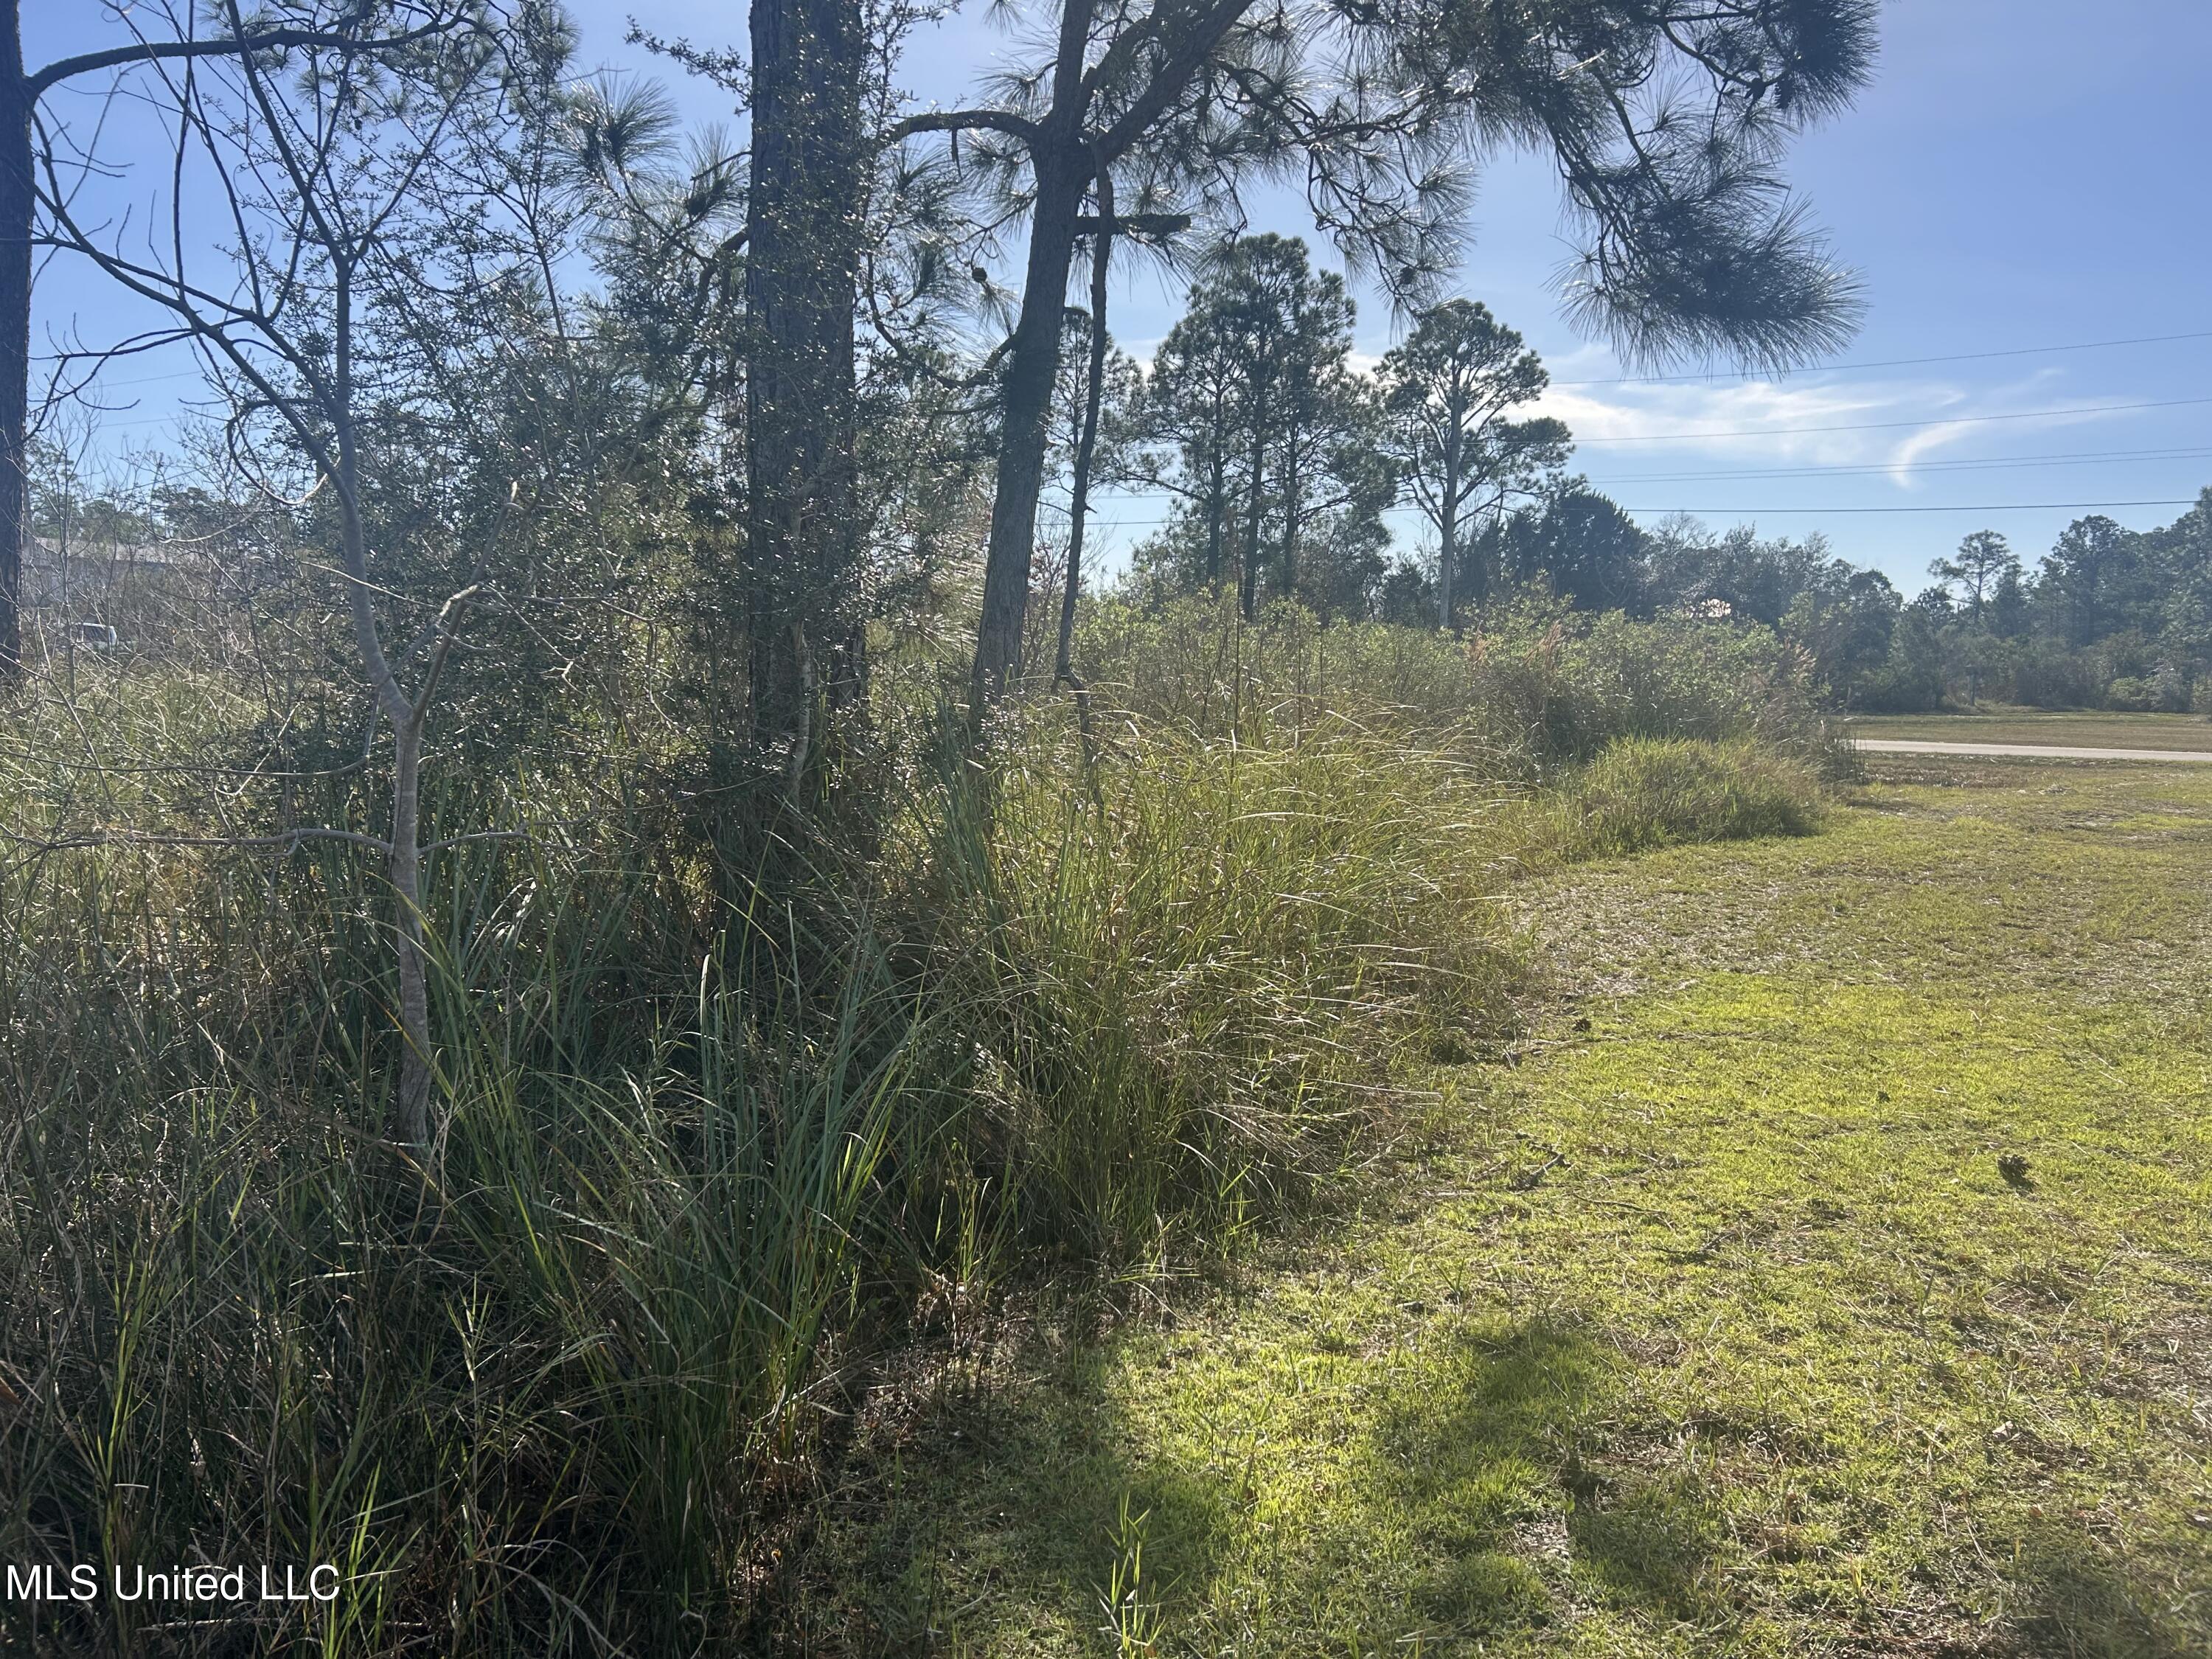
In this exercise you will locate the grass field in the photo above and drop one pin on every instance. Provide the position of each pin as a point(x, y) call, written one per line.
point(2005, 724)
point(1828, 1276)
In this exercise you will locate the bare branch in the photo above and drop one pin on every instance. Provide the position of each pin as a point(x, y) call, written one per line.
point(239, 45)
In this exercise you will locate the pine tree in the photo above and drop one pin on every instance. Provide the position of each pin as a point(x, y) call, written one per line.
point(2087, 575)
point(1451, 390)
point(1983, 560)
point(1267, 435)
point(1666, 120)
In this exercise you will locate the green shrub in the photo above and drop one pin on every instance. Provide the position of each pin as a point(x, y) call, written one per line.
point(1568, 693)
point(2170, 689)
point(2049, 676)
point(2131, 696)
point(1647, 793)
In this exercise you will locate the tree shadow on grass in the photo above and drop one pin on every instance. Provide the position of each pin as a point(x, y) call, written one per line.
point(2084, 1600)
point(1488, 1459)
point(1481, 1487)
point(986, 1521)
point(1432, 1499)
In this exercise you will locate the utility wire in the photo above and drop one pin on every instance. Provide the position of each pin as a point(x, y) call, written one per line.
point(1756, 511)
point(1661, 380)
point(2007, 506)
point(1887, 426)
point(1904, 362)
point(2087, 458)
point(1715, 375)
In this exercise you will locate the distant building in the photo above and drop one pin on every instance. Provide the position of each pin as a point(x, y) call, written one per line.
point(77, 576)
point(101, 594)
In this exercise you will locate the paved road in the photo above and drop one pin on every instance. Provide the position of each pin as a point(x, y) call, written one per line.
point(2032, 751)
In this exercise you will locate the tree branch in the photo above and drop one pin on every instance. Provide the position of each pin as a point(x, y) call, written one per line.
point(1135, 224)
point(963, 120)
point(146, 52)
point(1200, 35)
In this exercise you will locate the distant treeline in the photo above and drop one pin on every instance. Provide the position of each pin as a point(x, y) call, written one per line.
point(2107, 618)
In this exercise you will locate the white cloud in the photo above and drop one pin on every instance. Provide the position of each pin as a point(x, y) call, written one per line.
point(1898, 424)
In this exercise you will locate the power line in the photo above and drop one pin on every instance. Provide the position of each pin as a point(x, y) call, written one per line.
point(1888, 426)
point(2008, 506)
point(1756, 511)
point(2064, 457)
point(178, 414)
point(105, 383)
point(1908, 362)
point(1673, 379)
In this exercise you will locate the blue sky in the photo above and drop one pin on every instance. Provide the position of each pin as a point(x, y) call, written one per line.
point(2021, 174)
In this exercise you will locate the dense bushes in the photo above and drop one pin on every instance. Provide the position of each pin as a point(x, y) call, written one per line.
point(2125, 673)
point(1534, 686)
point(1569, 694)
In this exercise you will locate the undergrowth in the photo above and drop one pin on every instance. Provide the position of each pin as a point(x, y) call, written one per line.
point(706, 1149)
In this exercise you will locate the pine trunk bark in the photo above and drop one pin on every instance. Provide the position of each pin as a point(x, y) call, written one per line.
point(15, 212)
point(1217, 511)
point(1447, 537)
point(1256, 515)
point(802, 266)
point(1032, 366)
point(1087, 451)
point(411, 1107)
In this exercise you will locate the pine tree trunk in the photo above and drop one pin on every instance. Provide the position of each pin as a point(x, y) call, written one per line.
point(1217, 510)
point(1447, 537)
point(802, 264)
point(15, 207)
point(1032, 366)
point(411, 1107)
point(1250, 592)
point(1087, 450)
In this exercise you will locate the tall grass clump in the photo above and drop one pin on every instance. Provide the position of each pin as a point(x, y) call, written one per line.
point(554, 1387)
point(1189, 967)
point(1643, 793)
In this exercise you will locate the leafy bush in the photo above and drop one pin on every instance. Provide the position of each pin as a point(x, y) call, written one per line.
point(1569, 693)
point(2050, 677)
point(2131, 696)
point(1647, 793)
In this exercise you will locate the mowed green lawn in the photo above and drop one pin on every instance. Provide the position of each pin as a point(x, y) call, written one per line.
point(2091, 730)
point(1724, 1324)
